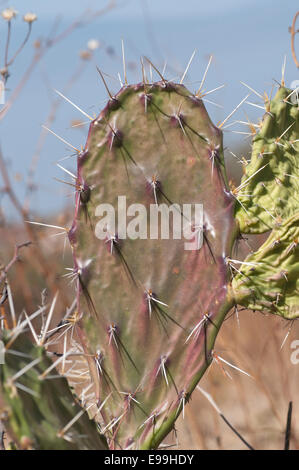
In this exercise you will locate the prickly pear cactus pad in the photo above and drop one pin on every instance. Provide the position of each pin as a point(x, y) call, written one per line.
point(41, 412)
point(269, 191)
point(270, 277)
point(151, 308)
point(268, 198)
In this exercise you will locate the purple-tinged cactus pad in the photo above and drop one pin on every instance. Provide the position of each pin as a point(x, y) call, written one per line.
point(151, 308)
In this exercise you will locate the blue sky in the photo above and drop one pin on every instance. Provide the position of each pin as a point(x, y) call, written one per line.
point(248, 40)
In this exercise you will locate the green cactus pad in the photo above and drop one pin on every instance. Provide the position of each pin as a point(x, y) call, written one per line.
point(269, 192)
point(151, 308)
point(38, 410)
point(271, 281)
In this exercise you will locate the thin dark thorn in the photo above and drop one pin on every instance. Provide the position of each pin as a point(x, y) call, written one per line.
point(171, 378)
point(129, 155)
point(236, 432)
point(126, 266)
point(159, 127)
point(125, 163)
point(127, 353)
point(205, 342)
point(166, 316)
point(106, 86)
point(155, 68)
point(288, 427)
point(88, 297)
point(209, 247)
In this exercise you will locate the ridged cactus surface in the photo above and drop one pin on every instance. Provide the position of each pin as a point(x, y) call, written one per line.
point(151, 308)
point(269, 199)
point(269, 280)
point(40, 411)
point(269, 190)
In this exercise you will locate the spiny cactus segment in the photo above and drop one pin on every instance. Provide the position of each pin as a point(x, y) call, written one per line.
point(40, 412)
point(269, 190)
point(269, 279)
point(151, 308)
point(269, 199)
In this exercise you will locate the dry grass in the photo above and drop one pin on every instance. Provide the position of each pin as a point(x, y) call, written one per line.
point(257, 407)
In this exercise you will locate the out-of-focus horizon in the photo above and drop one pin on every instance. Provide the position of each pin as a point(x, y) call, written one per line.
point(248, 43)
